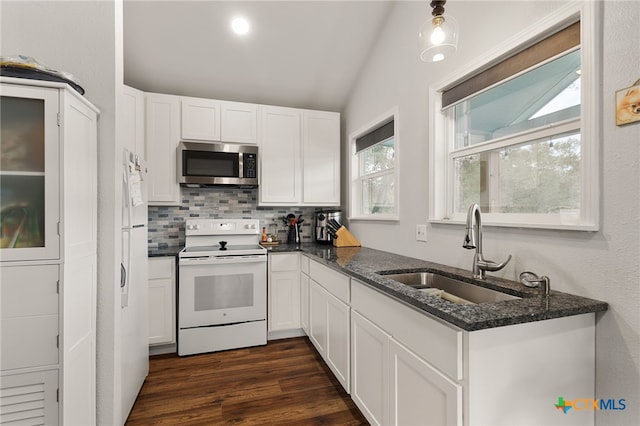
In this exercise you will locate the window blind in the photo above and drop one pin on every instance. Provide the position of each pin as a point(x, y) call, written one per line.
point(549, 47)
point(375, 136)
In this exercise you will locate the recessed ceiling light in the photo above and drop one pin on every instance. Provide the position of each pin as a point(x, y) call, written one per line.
point(240, 26)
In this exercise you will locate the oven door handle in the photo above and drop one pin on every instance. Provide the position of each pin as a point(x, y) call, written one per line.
point(221, 260)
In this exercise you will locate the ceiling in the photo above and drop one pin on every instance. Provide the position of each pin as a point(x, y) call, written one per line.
point(302, 54)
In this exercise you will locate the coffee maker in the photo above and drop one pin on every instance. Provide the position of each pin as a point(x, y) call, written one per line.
point(322, 231)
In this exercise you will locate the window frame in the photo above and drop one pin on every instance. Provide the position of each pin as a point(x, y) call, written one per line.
point(441, 127)
point(355, 193)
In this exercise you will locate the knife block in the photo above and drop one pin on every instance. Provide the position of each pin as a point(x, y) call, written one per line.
point(345, 238)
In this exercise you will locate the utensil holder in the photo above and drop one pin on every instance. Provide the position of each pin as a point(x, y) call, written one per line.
point(293, 236)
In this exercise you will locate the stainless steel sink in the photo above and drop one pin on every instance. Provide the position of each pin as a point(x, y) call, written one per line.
point(452, 289)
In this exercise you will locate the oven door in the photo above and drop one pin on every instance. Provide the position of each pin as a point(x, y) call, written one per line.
point(222, 290)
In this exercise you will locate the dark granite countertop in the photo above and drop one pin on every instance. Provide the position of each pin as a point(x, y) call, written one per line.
point(164, 251)
point(364, 264)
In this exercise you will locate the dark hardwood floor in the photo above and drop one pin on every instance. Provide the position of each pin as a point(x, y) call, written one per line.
point(285, 383)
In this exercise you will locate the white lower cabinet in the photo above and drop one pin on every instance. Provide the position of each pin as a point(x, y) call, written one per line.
point(304, 302)
point(418, 393)
point(29, 318)
point(338, 339)
point(162, 290)
point(370, 366)
point(329, 320)
point(318, 317)
point(392, 385)
point(410, 368)
point(284, 295)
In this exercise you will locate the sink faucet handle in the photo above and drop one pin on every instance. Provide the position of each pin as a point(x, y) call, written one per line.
point(491, 266)
point(530, 279)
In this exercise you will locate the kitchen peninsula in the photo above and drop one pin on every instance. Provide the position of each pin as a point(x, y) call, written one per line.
point(389, 345)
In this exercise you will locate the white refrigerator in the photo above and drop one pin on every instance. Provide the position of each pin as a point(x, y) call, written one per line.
point(134, 335)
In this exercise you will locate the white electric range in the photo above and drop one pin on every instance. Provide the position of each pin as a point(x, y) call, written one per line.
point(222, 286)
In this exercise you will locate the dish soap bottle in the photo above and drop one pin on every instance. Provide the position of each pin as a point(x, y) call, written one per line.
point(264, 234)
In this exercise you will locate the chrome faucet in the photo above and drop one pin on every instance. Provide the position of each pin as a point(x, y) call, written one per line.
point(473, 240)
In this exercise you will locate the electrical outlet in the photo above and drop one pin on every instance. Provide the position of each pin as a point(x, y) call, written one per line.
point(421, 232)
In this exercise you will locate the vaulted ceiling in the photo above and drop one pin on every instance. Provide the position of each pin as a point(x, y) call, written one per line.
point(303, 54)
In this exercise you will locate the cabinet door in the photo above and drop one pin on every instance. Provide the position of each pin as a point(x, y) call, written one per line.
point(370, 364)
point(338, 339)
point(418, 393)
point(29, 316)
point(284, 300)
point(200, 119)
point(321, 158)
point(304, 302)
point(30, 168)
point(131, 116)
point(280, 176)
point(161, 311)
point(162, 322)
point(163, 136)
point(239, 122)
point(30, 398)
point(80, 177)
point(318, 316)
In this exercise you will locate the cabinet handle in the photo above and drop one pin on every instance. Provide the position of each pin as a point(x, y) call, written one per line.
point(123, 276)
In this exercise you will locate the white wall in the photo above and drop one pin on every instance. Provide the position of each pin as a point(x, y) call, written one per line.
point(601, 265)
point(80, 37)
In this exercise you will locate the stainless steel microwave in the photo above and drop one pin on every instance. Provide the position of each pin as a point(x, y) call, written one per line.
point(205, 164)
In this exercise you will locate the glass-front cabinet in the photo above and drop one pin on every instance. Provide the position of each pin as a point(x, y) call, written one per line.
point(48, 254)
point(29, 174)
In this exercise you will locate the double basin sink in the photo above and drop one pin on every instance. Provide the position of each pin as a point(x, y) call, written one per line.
point(450, 289)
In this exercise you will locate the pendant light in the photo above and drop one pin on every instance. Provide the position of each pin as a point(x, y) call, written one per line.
point(438, 37)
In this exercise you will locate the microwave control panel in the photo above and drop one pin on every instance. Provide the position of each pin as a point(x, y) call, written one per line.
point(250, 165)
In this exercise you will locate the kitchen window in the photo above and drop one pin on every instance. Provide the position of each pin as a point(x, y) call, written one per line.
point(374, 189)
point(518, 137)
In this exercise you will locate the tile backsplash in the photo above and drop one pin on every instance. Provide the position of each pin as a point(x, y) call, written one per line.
point(166, 223)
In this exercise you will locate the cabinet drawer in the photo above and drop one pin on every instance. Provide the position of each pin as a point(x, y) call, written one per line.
point(161, 267)
point(437, 343)
point(334, 282)
point(283, 262)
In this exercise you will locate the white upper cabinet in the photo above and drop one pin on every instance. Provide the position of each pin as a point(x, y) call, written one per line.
point(280, 177)
point(210, 120)
point(300, 157)
point(321, 158)
point(163, 136)
point(299, 149)
point(200, 119)
point(239, 122)
point(132, 117)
